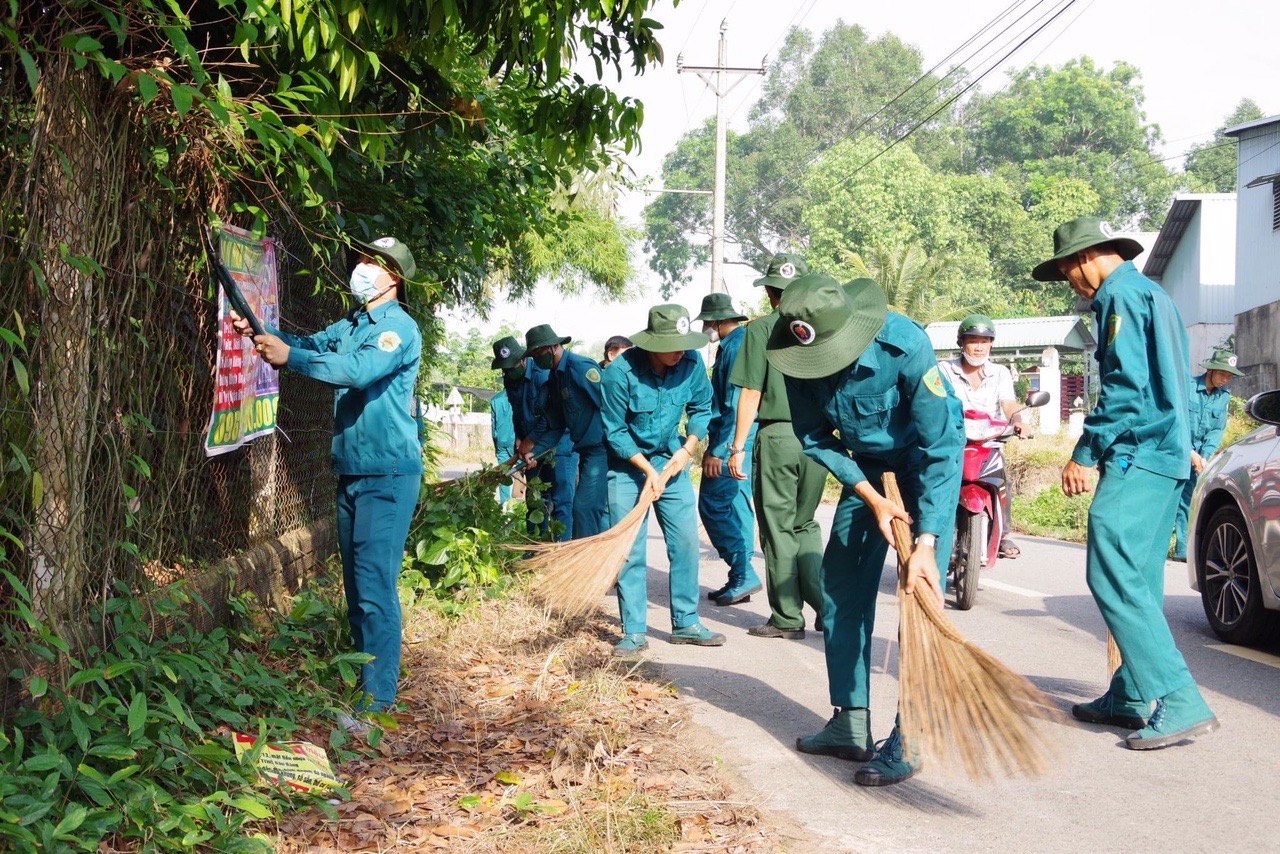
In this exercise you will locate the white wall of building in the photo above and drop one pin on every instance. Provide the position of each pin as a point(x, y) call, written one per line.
point(1257, 245)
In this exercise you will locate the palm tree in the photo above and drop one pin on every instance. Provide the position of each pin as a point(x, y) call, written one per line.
point(914, 283)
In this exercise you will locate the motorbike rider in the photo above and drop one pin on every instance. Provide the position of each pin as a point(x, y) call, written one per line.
point(987, 387)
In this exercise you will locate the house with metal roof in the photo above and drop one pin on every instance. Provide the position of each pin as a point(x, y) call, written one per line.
point(1257, 287)
point(1035, 347)
point(1194, 260)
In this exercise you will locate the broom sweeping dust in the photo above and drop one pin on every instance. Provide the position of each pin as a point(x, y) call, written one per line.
point(958, 704)
point(572, 577)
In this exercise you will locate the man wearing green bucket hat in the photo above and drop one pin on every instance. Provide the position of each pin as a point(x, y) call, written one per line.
point(560, 471)
point(573, 412)
point(371, 359)
point(525, 383)
point(724, 502)
point(646, 392)
point(508, 357)
point(1209, 399)
point(1138, 436)
point(785, 484)
point(867, 398)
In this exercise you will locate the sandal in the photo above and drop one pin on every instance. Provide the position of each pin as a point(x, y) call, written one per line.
point(1008, 550)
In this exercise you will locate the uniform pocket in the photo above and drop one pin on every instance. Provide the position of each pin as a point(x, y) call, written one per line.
point(872, 411)
point(644, 407)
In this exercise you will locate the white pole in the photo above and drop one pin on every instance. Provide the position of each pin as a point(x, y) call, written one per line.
point(717, 208)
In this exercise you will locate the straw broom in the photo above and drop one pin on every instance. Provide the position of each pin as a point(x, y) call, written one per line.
point(489, 476)
point(571, 577)
point(1114, 659)
point(959, 704)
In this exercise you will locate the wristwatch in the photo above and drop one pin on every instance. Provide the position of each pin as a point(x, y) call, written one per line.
point(930, 540)
point(733, 450)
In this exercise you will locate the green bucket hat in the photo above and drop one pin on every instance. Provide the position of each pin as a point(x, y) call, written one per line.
point(1078, 235)
point(394, 252)
point(719, 306)
point(1223, 360)
point(668, 331)
point(543, 336)
point(507, 353)
point(823, 327)
point(784, 268)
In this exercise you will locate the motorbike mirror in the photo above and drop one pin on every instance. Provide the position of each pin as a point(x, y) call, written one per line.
point(1037, 398)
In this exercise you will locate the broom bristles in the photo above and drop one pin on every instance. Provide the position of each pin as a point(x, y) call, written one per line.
point(573, 576)
point(959, 704)
point(479, 477)
point(1114, 659)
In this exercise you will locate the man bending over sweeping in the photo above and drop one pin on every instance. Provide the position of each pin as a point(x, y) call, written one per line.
point(866, 398)
point(646, 391)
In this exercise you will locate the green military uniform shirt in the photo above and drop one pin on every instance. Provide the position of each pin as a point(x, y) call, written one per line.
point(1208, 416)
point(752, 370)
point(1141, 414)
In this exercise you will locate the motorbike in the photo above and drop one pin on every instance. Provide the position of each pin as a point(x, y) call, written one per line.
point(980, 524)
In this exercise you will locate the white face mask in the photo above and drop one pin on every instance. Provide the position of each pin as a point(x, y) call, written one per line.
point(712, 332)
point(975, 362)
point(365, 281)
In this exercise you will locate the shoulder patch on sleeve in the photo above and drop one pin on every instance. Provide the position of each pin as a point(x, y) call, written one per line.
point(1114, 323)
point(388, 342)
point(593, 375)
point(933, 382)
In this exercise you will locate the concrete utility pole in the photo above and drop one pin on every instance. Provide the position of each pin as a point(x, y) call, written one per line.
point(717, 85)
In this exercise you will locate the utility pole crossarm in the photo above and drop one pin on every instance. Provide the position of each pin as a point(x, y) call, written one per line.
point(720, 70)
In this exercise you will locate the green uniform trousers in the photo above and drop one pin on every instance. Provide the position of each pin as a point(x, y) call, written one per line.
point(678, 519)
point(1129, 523)
point(591, 498)
point(724, 505)
point(787, 488)
point(1180, 519)
point(852, 568)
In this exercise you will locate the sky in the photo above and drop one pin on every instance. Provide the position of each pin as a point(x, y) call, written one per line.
point(1197, 61)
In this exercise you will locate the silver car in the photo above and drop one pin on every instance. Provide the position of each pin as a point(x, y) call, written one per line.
point(1233, 540)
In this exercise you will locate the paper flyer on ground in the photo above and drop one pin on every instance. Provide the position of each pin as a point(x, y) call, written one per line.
point(298, 764)
point(246, 389)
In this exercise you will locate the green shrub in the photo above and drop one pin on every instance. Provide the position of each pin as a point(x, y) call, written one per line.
point(130, 747)
point(1052, 514)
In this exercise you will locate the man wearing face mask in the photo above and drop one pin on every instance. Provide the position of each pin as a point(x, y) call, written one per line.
point(724, 502)
point(986, 387)
point(572, 416)
point(371, 359)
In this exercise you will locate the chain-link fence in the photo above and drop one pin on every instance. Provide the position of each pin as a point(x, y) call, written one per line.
point(107, 336)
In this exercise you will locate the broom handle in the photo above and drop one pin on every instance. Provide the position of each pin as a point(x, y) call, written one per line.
point(901, 530)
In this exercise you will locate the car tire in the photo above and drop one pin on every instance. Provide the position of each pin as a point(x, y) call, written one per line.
point(1229, 587)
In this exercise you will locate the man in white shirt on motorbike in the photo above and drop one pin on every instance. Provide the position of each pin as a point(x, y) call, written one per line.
point(986, 387)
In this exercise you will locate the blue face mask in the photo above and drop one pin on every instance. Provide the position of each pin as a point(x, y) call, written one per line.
point(365, 283)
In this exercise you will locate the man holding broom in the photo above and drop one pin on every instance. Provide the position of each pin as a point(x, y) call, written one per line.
point(867, 398)
point(646, 392)
point(572, 410)
point(786, 485)
point(1138, 436)
point(724, 502)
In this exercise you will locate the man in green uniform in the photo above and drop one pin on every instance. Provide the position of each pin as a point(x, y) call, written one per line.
point(724, 502)
point(1209, 399)
point(1137, 435)
point(503, 430)
point(786, 485)
point(573, 410)
point(646, 392)
point(866, 398)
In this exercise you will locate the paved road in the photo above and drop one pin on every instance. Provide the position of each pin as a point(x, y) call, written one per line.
point(1035, 613)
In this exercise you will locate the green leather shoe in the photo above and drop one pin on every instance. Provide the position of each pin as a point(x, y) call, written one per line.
point(1108, 710)
point(1179, 716)
point(846, 736)
point(698, 635)
point(630, 645)
point(889, 766)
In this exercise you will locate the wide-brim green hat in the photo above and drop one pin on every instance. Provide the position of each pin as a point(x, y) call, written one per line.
point(823, 327)
point(507, 353)
point(543, 335)
point(719, 306)
point(1078, 235)
point(393, 252)
point(669, 331)
point(784, 268)
point(1223, 360)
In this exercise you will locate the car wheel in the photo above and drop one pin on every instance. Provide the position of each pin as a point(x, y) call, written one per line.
point(1229, 585)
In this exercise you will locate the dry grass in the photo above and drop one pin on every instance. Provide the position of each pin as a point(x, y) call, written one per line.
point(960, 705)
point(522, 734)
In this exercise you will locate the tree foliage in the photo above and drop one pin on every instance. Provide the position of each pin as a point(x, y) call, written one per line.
point(1211, 166)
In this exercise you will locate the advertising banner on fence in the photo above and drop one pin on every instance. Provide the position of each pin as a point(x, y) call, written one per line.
point(246, 388)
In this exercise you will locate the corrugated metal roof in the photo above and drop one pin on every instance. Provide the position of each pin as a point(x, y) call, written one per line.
point(1022, 333)
point(1175, 225)
point(1256, 123)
